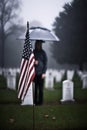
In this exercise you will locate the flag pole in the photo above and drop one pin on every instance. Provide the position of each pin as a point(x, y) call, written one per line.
point(32, 89)
point(33, 107)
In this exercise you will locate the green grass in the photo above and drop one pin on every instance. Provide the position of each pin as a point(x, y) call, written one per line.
point(52, 115)
point(8, 96)
point(66, 117)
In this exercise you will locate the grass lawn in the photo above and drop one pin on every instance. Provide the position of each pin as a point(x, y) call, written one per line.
point(47, 117)
point(52, 115)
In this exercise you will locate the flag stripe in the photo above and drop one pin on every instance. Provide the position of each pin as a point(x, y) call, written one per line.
point(22, 73)
point(22, 85)
point(29, 81)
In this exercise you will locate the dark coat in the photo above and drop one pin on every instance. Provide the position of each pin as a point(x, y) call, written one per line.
point(41, 57)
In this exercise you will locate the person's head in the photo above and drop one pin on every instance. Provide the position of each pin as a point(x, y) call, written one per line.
point(38, 44)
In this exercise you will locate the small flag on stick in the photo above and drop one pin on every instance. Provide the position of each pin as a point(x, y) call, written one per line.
point(27, 70)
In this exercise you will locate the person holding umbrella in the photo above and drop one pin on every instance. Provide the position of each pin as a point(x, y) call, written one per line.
point(40, 68)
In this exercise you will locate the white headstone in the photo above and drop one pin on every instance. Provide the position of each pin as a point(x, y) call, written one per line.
point(11, 79)
point(49, 80)
point(67, 91)
point(84, 80)
point(28, 100)
point(70, 74)
point(57, 75)
point(80, 74)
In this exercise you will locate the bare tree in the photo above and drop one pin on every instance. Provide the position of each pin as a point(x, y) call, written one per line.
point(8, 17)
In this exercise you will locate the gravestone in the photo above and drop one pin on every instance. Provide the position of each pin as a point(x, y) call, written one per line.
point(80, 74)
point(70, 74)
point(67, 91)
point(57, 75)
point(84, 81)
point(49, 80)
point(28, 100)
point(11, 79)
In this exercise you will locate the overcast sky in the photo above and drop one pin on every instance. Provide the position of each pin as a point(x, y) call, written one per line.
point(43, 11)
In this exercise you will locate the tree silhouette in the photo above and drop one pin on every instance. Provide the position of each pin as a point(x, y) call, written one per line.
point(71, 28)
point(8, 23)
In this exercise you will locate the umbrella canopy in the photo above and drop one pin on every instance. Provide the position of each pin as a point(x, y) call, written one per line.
point(40, 33)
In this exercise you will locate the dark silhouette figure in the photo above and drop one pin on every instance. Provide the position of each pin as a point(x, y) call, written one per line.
point(40, 67)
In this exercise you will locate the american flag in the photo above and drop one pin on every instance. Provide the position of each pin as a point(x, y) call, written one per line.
point(27, 70)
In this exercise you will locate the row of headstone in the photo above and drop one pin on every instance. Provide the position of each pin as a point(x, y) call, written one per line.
point(67, 85)
point(83, 77)
point(56, 75)
point(10, 75)
point(53, 76)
